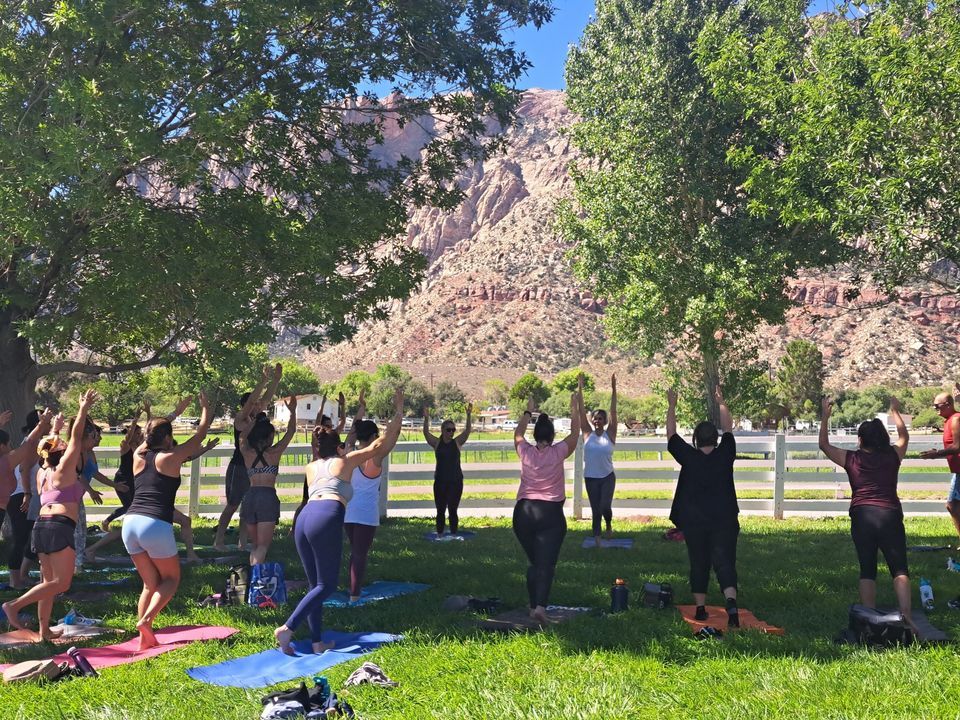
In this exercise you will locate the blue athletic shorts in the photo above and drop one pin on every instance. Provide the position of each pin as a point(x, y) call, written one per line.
point(142, 534)
point(954, 494)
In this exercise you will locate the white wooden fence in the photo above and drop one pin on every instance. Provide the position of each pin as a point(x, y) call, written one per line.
point(773, 466)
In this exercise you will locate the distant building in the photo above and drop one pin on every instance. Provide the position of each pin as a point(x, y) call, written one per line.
point(885, 419)
point(308, 407)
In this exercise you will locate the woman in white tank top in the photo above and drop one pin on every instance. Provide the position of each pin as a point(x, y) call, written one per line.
point(599, 439)
point(363, 510)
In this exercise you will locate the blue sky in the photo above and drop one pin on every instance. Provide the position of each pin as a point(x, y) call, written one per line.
point(547, 48)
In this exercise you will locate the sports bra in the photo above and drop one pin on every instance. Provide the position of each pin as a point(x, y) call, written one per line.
point(325, 483)
point(70, 494)
point(263, 469)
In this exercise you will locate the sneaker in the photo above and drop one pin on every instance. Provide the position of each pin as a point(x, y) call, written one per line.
point(701, 613)
point(954, 604)
point(733, 619)
point(705, 633)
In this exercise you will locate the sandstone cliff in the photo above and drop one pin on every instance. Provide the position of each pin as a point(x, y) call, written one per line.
point(499, 298)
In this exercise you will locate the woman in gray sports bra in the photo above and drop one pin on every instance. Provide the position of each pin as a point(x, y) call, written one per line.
point(318, 532)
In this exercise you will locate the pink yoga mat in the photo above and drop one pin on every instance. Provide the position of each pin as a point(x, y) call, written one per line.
point(170, 638)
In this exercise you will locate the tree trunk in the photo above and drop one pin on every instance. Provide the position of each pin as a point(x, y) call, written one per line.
point(711, 379)
point(18, 382)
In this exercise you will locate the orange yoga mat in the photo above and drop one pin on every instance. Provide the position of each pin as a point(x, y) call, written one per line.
point(717, 618)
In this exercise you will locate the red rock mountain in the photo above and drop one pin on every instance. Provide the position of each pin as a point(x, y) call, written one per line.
point(499, 298)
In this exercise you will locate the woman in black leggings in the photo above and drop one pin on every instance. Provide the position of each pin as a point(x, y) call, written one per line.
point(448, 477)
point(538, 520)
point(876, 516)
point(705, 505)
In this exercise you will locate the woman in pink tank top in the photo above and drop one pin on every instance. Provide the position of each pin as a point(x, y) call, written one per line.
point(60, 497)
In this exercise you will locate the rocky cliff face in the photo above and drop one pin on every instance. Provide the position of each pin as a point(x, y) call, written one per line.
point(499, 298)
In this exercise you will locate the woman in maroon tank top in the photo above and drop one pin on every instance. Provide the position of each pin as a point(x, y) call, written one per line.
point(876, 517)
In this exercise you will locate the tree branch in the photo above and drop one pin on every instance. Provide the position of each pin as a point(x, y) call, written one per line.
point(91, 369)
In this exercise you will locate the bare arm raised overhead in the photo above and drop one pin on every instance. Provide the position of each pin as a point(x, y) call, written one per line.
point(462, 437)
point(576, 411)
point(432, 440)
point(169, 462)
point(671, 425)
point(521, 431)
point(835, 454)
point(585, 426)
point(612, 420)
point(903, 437)
point(726, 419)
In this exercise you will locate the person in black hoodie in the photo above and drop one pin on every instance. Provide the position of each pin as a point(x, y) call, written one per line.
point(705, 504)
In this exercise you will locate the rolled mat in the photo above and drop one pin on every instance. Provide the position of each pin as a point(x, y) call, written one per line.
point(624, 543)
point(272, 666)
point(447, 537)
point(374, 592)
point(717, 618)
point(170, 638)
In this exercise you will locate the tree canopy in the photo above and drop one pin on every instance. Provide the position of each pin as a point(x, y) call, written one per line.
point(854, 124)
point(182, 178)
point(662, 227)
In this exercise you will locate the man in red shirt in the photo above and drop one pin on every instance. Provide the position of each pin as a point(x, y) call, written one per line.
point(944, 404)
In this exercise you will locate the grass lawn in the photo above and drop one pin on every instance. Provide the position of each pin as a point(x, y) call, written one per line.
point(799, 574)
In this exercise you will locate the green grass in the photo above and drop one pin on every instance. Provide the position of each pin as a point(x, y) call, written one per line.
point(799, 574)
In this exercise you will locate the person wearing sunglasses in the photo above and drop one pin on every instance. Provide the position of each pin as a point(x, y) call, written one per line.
point(945, 405)
point(448, 476)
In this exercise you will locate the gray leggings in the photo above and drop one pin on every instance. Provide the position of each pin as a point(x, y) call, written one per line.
point(600, 492)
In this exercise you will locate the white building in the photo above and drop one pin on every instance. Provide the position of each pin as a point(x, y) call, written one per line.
point(886, 420)
point(308, 408)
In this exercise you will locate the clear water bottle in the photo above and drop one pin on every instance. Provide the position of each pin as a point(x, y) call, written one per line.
point(81, 663)
point(926, 594)
point(619, 596)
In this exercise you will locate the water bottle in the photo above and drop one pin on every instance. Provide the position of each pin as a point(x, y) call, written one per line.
point(81, 663)
point(619, 596)
point(926, 594)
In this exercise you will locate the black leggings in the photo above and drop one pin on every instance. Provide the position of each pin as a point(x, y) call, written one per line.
point(540, 526)
point(715, 546)
point(878, 528)
point(125, 499)
point(600, 492)
point(22, 529)
point(446, 496)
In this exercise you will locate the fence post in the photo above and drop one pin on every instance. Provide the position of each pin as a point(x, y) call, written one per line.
point(193, 508)
point(779, 474)
point(384, 483)
point(578, 480)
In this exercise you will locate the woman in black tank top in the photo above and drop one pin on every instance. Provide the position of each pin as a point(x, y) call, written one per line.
point(448, 476)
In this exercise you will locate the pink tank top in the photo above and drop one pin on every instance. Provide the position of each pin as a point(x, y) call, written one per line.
point(71, 494)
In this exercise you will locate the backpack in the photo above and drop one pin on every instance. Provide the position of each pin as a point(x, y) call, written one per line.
point(238, 583)
point(267, 586)
point(872, 627)
point(657, 595)
point(35, 670)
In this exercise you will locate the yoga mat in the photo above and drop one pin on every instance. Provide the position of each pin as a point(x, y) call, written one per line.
point(222, 560)
point(170, 638)
point(272, 666)
point(446, 537)
point(125, 560)
point(928, 548)
point(717, 618)
point(17, 639)
point(374, 592)
point(926, 631)
point(624, 543)
point(103, 582)
point(519, 620)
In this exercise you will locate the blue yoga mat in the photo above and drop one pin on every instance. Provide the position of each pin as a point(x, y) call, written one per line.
point(272, 666)
point(447, 537)
point(374, 592)
point(604, 543)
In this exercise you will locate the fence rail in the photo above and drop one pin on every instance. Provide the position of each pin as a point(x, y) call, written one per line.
point(775, 465)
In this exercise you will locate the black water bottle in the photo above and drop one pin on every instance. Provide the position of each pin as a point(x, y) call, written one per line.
point(619, 596)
